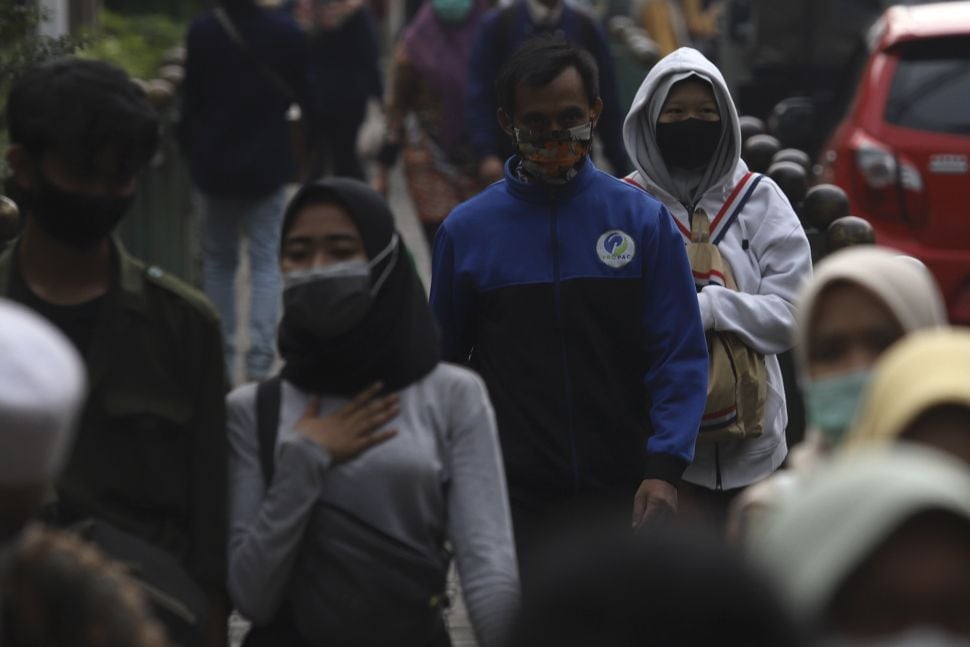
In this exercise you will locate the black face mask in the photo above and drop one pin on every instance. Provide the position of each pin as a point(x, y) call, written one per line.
point(76, 219)
point(689, 143)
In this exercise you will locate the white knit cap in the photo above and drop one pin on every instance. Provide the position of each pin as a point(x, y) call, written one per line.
point(42, 388)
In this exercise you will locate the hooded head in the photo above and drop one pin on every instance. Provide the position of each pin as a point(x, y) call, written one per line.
point(860, 301)
point(920, 391)
point(646, 148)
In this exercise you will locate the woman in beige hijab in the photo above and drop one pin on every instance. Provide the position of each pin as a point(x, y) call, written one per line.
point(860, 301)
point(920, 392)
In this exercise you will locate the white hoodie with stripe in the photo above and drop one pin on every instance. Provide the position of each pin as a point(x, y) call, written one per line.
point(765, 247)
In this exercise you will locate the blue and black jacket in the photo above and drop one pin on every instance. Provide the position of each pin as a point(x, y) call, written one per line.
point(576, 305)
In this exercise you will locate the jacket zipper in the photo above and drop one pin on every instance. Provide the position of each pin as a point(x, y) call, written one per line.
point(567, 382)
point(718, 483)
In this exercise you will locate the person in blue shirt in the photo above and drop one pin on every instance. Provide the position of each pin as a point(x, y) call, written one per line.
point(570, 292)
point(501, 33)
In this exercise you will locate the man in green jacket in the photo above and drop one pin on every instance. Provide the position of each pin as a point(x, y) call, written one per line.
point(150, 453)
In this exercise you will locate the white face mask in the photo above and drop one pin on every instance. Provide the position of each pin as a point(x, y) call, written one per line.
point(920, 636)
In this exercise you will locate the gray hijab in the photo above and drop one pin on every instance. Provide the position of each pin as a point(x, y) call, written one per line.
point(640, 128)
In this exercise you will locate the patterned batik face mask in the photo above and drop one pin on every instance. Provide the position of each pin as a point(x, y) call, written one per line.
point(553, 156)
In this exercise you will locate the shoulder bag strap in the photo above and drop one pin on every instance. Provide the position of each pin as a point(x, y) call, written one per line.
point(268, 395)
point(268, 73)
point(738, 207)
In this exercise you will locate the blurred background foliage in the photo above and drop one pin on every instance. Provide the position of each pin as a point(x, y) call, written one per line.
point(134, 34)
point(136, 42)
point(20, 47)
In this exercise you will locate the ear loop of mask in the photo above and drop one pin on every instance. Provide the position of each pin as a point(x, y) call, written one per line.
point(392, 248)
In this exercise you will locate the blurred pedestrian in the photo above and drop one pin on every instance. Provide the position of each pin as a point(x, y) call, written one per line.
point(663, 20)
point(425, 116)
point(702, 17)
point(57, 590)
point(859, 303)
point(150, 454)
point(42, 598)
point(920, 392)
point(372, 456)
point(570, 293)
point(501, 33)
point(656, 588)
point(344, 64)
point(684, 137)
point(245, 67)
point(876, 550)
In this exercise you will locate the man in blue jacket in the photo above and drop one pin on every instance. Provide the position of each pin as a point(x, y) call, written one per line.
point(570, 292)
point(501, 33)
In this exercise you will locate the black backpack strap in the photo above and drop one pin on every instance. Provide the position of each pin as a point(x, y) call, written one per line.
point(267, 423)
point(738, 208)
point(587, 30)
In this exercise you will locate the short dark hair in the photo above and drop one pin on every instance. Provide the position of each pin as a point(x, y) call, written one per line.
point(538, 62)
point(78, 109)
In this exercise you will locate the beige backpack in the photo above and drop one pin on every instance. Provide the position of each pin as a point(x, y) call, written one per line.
point(737, 377)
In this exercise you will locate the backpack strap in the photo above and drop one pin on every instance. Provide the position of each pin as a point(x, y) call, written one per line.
point(721, 224)
point(502, 37)
point(264, 69)
point(268, 395)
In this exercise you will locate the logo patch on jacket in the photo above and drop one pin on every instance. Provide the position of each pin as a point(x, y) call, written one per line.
point(615, 248)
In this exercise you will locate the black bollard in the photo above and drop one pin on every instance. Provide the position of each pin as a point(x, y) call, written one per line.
point(794, 155)
point(823, 205)
point(792, 179)
point(848, 232)
point(9, 220)
point(758, 152)
point(750, 126)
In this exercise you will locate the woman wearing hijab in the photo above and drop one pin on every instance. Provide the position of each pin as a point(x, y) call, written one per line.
point(920, 392)
point(876, 550)
point(383, 453)
point(428, 75)
point(860, 302)
point(684, 138)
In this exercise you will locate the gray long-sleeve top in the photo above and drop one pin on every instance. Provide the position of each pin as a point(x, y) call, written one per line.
point(440, 478)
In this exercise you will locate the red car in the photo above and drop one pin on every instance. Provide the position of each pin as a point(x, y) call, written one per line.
point(902, 151)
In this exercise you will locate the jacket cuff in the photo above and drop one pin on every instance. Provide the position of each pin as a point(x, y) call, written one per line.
point(664, 467)
point(707, 308)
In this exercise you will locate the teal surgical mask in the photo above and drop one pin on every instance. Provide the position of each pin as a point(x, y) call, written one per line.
point(452, 11)
point(832, 402)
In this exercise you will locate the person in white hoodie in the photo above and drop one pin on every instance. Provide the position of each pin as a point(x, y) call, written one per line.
point(683, 135)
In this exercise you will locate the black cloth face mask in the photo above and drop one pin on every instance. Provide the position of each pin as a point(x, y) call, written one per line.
point(76, 219)
point(689, 143)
